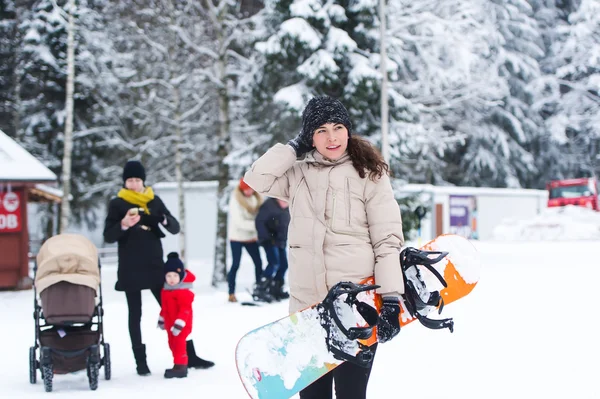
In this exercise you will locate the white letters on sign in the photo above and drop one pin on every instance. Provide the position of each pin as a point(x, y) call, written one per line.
point(8, 222)
point(10, 219)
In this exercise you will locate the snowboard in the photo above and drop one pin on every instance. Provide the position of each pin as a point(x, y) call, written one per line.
point(254, 301)
point(258, 300)
point(281, 358)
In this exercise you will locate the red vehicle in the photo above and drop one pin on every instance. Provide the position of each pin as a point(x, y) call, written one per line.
point(581, 192)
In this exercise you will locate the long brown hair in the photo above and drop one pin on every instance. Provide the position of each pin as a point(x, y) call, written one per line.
point(365, 157)
point(244, 201)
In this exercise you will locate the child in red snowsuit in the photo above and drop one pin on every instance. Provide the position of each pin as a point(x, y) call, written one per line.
point(176, 313)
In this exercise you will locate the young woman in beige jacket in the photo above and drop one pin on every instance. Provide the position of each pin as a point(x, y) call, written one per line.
point(345, 223)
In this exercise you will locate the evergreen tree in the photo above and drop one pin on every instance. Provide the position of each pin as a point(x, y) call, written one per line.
point(315, 47)
point(568, 96)
point(444, 77)
point(8, 45)
point(41, 111)
point(499, 154)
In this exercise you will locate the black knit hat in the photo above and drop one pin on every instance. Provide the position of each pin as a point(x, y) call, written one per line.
point(321, 110)
point(134, 169)
point(174, 264)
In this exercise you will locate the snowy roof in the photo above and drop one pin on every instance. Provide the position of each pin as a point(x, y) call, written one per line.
point(42, 192)
point(16, 164)
point(50, 190)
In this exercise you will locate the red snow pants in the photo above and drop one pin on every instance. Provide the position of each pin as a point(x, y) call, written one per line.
point(178, 347)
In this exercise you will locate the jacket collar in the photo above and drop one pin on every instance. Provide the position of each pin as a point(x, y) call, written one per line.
point(315, 156)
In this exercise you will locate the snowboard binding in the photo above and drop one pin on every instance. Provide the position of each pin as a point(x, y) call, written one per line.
point(332, 323)
point(418, 298)
point(261, 291)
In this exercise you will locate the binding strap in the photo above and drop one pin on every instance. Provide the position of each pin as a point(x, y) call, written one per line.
point(330, 317)
point(411, 258)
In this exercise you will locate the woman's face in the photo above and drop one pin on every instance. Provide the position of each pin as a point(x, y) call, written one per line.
point(331, 140)
point(248, 192)
point(134, 184)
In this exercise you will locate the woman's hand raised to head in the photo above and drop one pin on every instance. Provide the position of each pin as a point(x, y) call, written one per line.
point(302, 143)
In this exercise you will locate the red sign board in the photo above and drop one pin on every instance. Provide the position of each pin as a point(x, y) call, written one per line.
point(10, 211)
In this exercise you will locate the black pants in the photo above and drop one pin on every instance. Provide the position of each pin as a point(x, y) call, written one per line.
point(350, 383)
point(134, 303)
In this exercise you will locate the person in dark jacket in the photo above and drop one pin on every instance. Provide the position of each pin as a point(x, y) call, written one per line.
point(272, 227)
point(134, 220)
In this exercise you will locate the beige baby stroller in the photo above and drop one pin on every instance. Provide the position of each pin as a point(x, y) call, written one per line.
point(69, 321)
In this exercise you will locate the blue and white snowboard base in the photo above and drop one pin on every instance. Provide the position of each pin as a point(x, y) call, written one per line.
point(281, 358)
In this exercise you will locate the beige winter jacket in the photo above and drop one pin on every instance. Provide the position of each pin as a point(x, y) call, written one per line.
point(342, 228)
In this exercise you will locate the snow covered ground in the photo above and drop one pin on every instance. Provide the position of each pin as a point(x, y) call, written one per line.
point(528, 330)
point(560, 223)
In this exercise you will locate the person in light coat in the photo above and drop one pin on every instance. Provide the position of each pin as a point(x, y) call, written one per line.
point(345, 223)
point(244, 204)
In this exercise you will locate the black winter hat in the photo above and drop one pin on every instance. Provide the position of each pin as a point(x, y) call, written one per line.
point(321, 110)
point(134, 169)
point(174, 264)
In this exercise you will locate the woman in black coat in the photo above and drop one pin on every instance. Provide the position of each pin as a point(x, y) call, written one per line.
point(133, 220)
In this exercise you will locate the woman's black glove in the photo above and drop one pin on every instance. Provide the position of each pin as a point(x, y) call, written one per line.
point(388, 325)
point(302, 143)
point(151, 220)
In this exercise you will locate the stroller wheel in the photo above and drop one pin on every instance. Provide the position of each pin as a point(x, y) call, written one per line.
point(93, 366)
point(93, 371)
point(47, 374)
point(32, 365)
point(106, 362)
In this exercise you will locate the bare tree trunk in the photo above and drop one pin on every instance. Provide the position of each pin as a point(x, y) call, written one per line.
point(220, 267)
point(175, 91)
point(179, 174)
point(384, 85)
point(17, 107)
point(68, 139)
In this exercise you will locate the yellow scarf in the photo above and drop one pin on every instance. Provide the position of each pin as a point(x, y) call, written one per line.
point(139, 199)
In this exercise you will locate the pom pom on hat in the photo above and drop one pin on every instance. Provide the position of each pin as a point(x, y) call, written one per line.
point(174, 264)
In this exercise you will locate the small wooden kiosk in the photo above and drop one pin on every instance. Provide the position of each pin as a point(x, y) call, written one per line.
point(21, 176)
